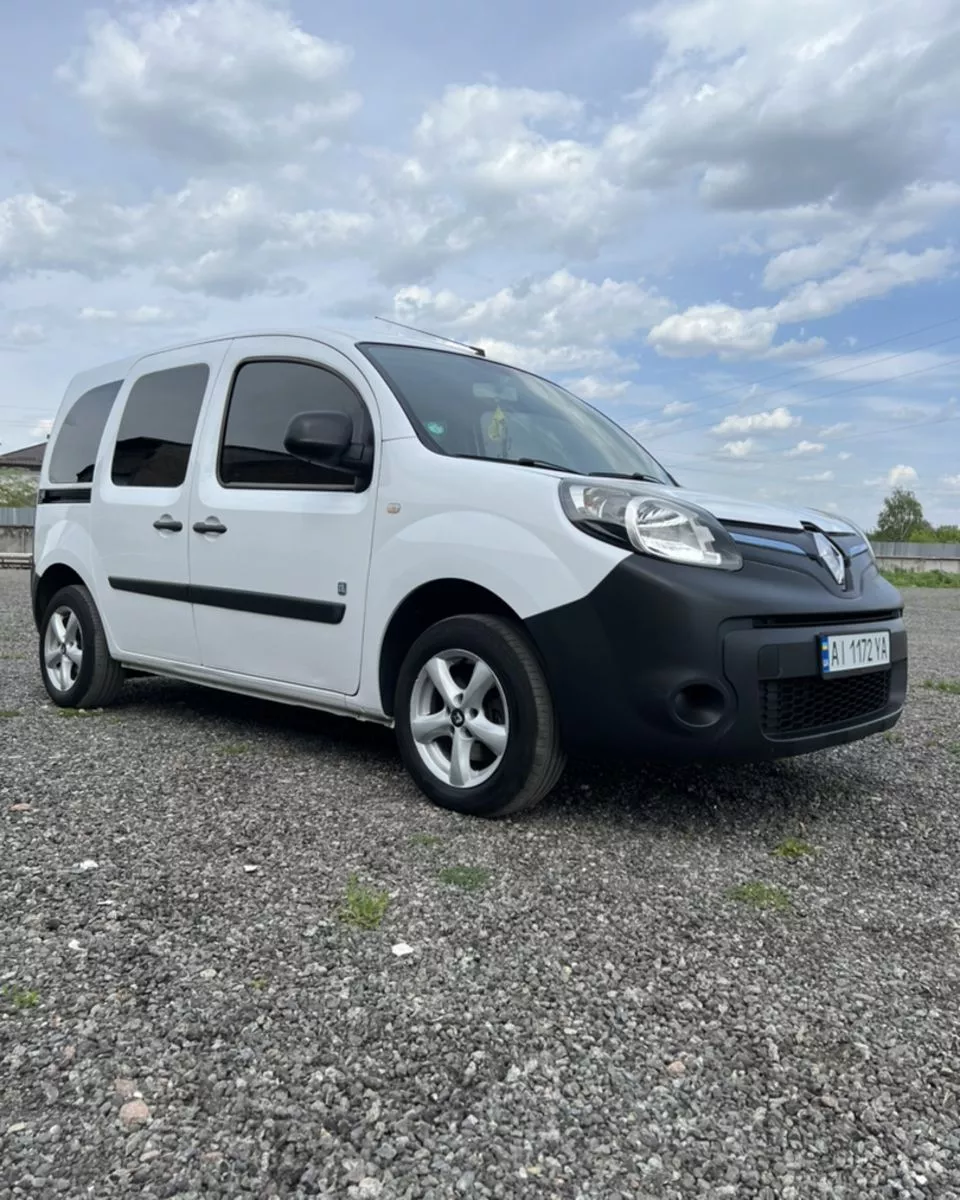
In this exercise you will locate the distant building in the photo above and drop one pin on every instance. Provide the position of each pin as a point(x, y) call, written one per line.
point(30, 458)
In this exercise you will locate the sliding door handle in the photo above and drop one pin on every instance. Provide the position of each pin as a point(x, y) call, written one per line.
point(210, 525)
point(168, 524)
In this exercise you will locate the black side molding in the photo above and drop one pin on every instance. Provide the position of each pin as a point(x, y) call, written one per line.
point(295, 608)
point(77, 495)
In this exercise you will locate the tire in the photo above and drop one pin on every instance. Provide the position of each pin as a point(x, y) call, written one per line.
point(498, 754)
point(89, 677)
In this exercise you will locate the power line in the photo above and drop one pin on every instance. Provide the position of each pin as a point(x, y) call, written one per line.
point(830, 395)
point(841, 357)
point(758, 462)
point(836, 375)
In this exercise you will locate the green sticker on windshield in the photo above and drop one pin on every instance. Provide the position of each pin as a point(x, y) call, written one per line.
point(436, 428)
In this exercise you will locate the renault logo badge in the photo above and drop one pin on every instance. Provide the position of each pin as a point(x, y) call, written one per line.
point(831, 558)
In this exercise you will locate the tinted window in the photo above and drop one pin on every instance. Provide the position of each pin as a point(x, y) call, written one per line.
point(461, 404)
point(75, 450)
point(266, 397)
point(157, 427)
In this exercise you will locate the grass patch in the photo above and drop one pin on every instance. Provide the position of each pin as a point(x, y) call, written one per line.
point(760, 895)
point(363, 907)
point(233, 749)
point(258, 985)
point(80, 712)
point(20, 998)
point(892, 739)
point(471, 879)
point(954, 748)
point(950, 687)
point(792, 848)
point(7, 714)
point(922, 579)
point(430, 840)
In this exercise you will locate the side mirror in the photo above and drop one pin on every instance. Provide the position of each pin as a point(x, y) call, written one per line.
point(321, 438)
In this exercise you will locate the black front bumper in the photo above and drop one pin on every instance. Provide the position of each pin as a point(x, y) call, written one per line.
point(673, 662)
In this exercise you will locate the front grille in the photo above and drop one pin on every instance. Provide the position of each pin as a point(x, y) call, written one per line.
point(811, 703)
point(824, 620)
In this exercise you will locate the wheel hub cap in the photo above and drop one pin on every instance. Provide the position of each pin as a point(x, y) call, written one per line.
point(63, 649)
point(459, 718)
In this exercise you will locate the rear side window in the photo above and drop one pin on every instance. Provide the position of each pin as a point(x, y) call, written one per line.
point(158, 426)
point(266, 396)
point(75, 450)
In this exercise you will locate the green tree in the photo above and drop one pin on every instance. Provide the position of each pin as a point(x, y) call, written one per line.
point(901, 519)
point(18, 489)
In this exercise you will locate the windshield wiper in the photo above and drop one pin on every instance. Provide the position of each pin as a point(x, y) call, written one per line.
point(520, 462)
point(629, 475)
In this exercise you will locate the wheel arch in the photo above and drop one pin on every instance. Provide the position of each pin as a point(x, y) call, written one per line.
point(425, 606)
point(46, 585)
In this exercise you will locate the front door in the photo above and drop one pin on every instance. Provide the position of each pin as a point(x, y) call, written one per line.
point(141, 504)
point(280, 548)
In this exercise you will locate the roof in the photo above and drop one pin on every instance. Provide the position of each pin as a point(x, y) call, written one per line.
point(29, 458)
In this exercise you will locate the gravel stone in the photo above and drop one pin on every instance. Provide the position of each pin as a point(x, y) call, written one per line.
point(532, 1045)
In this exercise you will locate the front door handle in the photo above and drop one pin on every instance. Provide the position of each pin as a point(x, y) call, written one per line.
point(210, 525)
point(168, 524)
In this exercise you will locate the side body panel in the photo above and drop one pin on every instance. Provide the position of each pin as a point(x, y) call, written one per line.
point(140, 573)
point(280, 595)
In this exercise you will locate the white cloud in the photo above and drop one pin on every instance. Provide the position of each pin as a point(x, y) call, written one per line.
point(26, 333)
point(213, 81)
point(144, 314)
point(899, 475)
point(769, 113)
point(677, 408)
point(844, 455)
point(43, 428)
point(835, 430)
point(730, 332)
point(820, 477)
point(565, 322)
point(952, 482)
point(795, 350)
point(804, 448)
point(714, 328)
point(740, 449)
point(225, 241)
point(876, 275)
point(761, 422)
point(594, 387)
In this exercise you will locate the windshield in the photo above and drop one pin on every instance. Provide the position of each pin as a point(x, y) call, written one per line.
point(466, 406)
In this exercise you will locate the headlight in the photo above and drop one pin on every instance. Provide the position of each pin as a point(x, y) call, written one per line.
point(654, 525)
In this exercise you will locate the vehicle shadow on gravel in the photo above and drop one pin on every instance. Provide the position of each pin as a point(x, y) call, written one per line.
point(712, 798)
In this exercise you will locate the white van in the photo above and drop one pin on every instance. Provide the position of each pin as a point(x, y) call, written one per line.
point(425, 538)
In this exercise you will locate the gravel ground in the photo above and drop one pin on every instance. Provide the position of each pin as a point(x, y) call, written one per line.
point(186, 1014)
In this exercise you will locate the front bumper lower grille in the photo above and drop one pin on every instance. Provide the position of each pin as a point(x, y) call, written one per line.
point(810, 703)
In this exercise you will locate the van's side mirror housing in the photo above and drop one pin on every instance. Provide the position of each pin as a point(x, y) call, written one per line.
point(321, 438)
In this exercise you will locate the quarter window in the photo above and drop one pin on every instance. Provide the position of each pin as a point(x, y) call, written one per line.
point(266, 396)
point(158, 426)
point(78, 441)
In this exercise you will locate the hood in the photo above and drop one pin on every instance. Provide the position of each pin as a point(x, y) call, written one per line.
point(773, 516)
point(752, 512)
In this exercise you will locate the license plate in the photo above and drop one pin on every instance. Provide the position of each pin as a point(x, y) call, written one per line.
point(841, 653)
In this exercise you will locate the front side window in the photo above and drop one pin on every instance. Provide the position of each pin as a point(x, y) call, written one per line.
point(158, 426)
point(266, 396)
point(469, 406)
point(75, 450)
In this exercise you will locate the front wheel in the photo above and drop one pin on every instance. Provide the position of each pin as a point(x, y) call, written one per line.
point(75, 661)
point(475, 719)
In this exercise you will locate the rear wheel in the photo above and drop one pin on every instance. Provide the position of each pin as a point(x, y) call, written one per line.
point(475, 719)
point(75, 661)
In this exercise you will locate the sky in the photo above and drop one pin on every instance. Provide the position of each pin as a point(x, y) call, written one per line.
point(730, 224)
